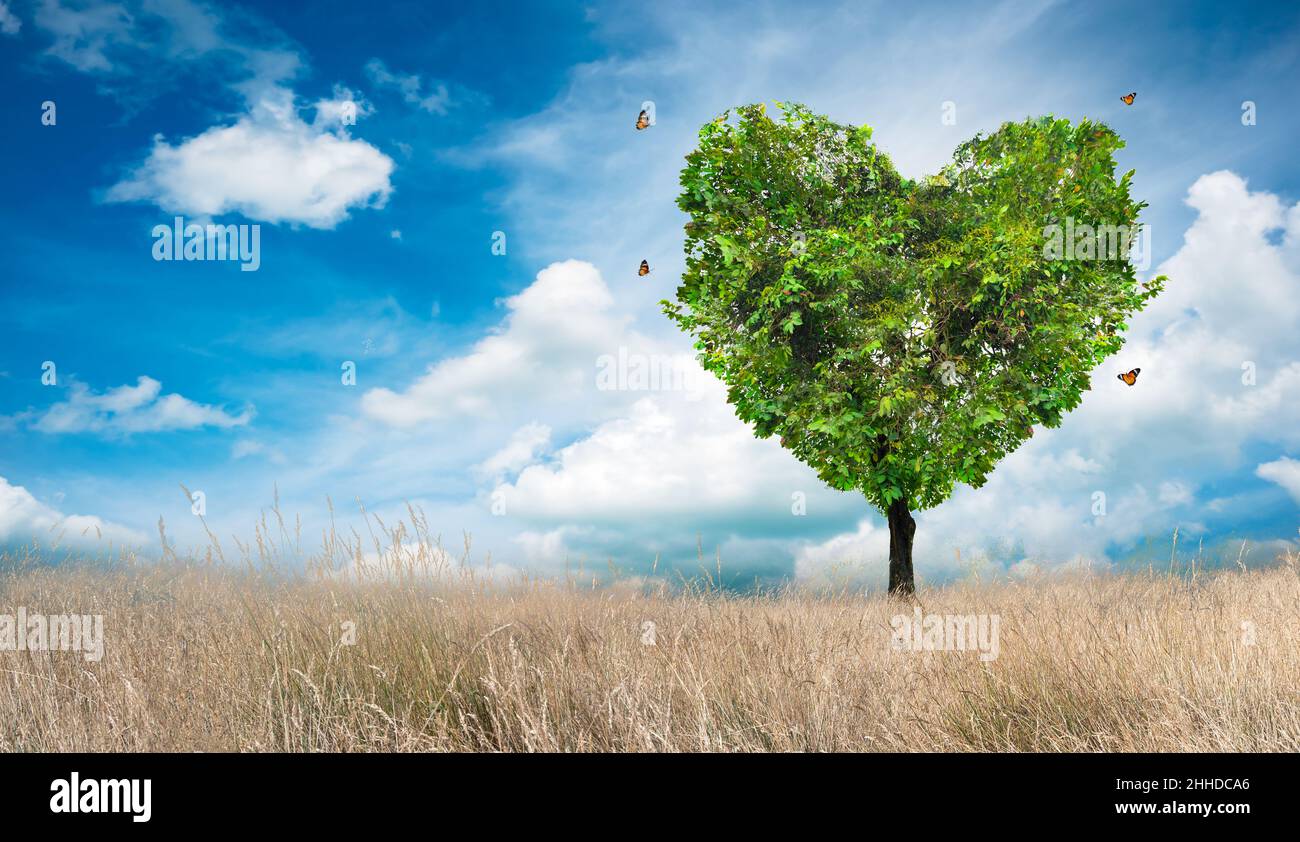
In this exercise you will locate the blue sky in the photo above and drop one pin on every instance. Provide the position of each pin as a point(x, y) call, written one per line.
point(476, 393)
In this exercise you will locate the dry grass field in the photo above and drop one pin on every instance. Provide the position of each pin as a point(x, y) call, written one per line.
point(206, 656)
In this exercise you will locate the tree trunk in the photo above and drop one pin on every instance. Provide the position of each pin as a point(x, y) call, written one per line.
point(901, 530)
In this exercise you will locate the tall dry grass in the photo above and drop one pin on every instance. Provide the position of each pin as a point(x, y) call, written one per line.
point(208, 656)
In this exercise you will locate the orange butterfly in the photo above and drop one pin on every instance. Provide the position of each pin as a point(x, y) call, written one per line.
point(645, 268)
point(642, 121)
point(1130, 377)
point(1128, 98)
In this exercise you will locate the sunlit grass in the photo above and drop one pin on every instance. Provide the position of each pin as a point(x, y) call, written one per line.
point(206, 654)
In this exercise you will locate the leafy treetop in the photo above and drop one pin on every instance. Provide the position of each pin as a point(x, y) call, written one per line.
point(901, 336)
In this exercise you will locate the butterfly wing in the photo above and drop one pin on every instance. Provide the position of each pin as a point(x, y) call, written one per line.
point(642, 121)
point(645, 268)
point(1128, 98)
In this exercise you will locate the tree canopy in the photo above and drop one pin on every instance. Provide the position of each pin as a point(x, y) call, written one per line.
point(901, 336)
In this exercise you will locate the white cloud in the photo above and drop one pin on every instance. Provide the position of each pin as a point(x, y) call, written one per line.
point(24, 518)
point(544, 350)
point(848, 556)
point(1229, 311)
point(1285, 472)
point(522, 449)
point(640, 452)
point(1174, 494)
point(523, 410)
point(342, 109)
point(141, 408)
point(269, 166)
point(546, 550)
point(668, 458)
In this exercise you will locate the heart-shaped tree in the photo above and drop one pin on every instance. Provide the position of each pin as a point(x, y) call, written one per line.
point(902, 336)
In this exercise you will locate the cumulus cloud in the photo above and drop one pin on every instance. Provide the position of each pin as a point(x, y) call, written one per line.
point(847, 556)
point(340, 110)
point(1219, 353)
point(270, 166)
point(544, 350)
point(572, 439)
point(546, 550)
point(662, 460)
point(24, 518)
point(124, 410)
point(522, 449)
point(1285, 472)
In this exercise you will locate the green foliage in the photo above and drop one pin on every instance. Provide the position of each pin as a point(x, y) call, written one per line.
point(900, 336)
